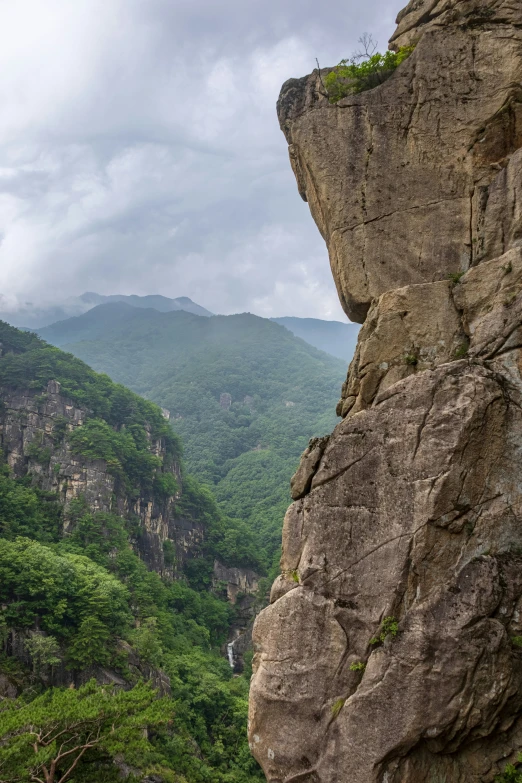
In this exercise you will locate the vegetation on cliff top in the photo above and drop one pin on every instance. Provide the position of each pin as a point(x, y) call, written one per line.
point(365, 70)
point(122, 424)
point(27, 362)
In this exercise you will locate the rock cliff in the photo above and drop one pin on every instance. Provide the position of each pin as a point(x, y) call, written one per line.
point(34, 436)
point(391, 651)
point(240, 586)
point(398, 178)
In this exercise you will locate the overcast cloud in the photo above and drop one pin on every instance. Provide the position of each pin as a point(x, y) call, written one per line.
point(140, 150)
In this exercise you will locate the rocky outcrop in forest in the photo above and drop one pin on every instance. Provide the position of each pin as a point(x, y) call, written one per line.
point(35, 431)
point(392, 648)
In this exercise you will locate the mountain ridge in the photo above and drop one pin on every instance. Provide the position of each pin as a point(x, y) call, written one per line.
point(334, 337)
point(31, 318)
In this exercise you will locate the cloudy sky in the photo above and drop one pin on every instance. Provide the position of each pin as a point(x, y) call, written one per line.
point(140, 150)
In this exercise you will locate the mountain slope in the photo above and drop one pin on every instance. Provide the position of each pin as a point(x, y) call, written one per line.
point(97, 523)
point(243, 392)
point(334, 337)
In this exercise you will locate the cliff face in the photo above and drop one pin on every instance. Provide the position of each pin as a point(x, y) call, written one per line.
point(391, 651)
point(398, 178)
point(34, 436)
point(240, 587)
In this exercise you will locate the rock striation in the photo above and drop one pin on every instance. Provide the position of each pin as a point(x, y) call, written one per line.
point(391, 650)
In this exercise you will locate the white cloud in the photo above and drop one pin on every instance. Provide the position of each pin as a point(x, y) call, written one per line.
point(140, 151)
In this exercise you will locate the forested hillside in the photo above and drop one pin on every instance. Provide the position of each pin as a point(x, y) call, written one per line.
point(90, 471)
point(243, 392)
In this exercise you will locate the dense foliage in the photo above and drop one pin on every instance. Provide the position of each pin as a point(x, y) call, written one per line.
point(246, 446)
point(26, 510)
point(87, 600)
point(88, 593)
point(351, 76)
point(66, 732)
point(26, 362)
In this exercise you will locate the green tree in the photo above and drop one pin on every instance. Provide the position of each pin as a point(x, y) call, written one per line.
point(44, 651)
point(145, 640)
point(49, 739)
point(364, 70)
point(89, 646)
point(58, 591)
point(27, 510)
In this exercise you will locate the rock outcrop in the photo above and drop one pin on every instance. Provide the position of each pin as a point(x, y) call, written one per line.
point(240, 587)
point(16, 679)
point(398, 178)
point(34, 430)
point(392, 648)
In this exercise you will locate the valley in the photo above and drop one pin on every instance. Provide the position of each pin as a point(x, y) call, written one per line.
point(244, 394)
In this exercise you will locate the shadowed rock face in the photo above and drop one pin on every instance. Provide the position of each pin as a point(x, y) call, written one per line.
point(387, 653)
point(397, 177)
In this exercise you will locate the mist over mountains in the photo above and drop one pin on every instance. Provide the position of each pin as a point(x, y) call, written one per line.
point(34, 317)
point(334, 337)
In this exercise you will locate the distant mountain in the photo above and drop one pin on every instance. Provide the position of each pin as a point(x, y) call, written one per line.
point(95, 323)
point(244, 393)
point(336, 338)
point(33, 317)
point(161, 303)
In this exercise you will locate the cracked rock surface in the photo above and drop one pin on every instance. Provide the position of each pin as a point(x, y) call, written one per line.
point(390, 650)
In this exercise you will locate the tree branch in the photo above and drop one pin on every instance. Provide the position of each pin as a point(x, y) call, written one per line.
point(325, 93)
point(84, 747)
point(369, 46)
point(76, 760)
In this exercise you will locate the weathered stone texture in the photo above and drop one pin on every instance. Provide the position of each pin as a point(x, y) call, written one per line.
point(406, 330)
point(395, 176)
point(412, 509)
point(414, 513)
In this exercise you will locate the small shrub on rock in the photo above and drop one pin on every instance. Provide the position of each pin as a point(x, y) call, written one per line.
point(389, 628)
point(364, 70)
point(511, 774)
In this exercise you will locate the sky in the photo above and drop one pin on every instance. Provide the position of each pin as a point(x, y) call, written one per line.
point(140, 151)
